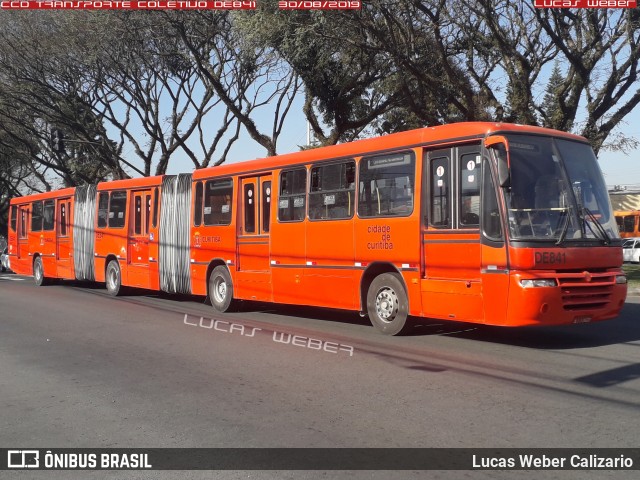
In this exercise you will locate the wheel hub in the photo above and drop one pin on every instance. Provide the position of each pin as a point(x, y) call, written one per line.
point(220, 290)
point(387, 304)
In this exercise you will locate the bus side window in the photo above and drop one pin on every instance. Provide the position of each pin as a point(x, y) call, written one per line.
point(217, 202)
point(155, 207)
point(629, 223)
point(386, 185)
point(331, 193)
point(103, 209)
point(117, 209)
point(14, 217)
point(197, 205)
point(291, 202)
point(36, 217)
point(48, 223)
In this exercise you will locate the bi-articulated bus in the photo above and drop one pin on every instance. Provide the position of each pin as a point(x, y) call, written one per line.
point(478, 222)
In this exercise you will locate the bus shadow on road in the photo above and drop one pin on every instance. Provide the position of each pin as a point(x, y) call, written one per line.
point(624, 329)
point(312, 313)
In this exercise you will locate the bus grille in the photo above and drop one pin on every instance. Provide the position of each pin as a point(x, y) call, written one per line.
point(586, 290)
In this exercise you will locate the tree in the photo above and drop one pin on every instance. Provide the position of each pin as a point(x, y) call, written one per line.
point(378, 70)
point(509, 44)
point(42, 91)
point(553, 102)
point(602, 49)
point(244, 76)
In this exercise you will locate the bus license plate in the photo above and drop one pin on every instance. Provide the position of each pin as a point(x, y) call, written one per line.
point(583, 319)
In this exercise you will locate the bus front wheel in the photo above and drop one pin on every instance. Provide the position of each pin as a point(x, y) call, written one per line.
point(113, 278)
point(387, 303)
point(221, 289)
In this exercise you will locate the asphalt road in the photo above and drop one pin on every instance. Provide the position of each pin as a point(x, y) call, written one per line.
point(81, 369)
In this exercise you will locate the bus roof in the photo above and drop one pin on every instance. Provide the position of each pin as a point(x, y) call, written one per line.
point(454, 132)
point(65, 192)
point(131, 183)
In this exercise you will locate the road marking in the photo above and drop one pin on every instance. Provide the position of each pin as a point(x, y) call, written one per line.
point(13, 279)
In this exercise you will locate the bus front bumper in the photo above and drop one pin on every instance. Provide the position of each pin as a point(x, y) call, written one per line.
point(554, 298)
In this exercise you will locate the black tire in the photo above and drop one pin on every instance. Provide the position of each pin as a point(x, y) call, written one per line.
point(221, 289)
point(387, 303)
point(113, 278)
point(38, 272)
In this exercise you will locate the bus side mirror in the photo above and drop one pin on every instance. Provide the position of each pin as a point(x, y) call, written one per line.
point(500, 146)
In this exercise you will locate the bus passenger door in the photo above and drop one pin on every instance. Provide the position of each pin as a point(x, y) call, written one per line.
point(138, 241)
point(64, 245)
point(152, 211)
point(253, 270)
point(452, 285)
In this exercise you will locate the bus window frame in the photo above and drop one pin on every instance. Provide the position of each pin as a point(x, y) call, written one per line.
point(34, 216)
point(110, 219)
point(206, 183)
point(198, 204)
point(359, 181)
point(49, 225)
point(304, 194)
point(320, 192)
point(13, 223)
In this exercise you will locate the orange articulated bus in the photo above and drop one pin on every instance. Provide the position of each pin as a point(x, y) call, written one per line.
point(479, 222)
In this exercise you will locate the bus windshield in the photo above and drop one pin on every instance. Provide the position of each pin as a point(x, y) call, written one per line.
point(557, 192)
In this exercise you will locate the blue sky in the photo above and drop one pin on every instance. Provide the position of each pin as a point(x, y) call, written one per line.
point(620, 168)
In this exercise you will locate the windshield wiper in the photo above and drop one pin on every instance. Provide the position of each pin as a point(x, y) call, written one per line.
point(565, 228)
point(604, 236)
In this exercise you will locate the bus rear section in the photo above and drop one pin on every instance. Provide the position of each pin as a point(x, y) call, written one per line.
point(41, 235)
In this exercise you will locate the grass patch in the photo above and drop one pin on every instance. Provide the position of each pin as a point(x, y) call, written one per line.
point(632, 270)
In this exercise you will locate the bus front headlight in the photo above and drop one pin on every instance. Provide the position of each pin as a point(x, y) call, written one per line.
point(538, 282)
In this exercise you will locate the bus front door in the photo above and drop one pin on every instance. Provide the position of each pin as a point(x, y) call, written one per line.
point(452, 282)
point(253, 270)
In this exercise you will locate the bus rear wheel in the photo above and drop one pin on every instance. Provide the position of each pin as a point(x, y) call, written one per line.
point(221, 289)
point(38, 272)
point(387, 303)
point(113, 278)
